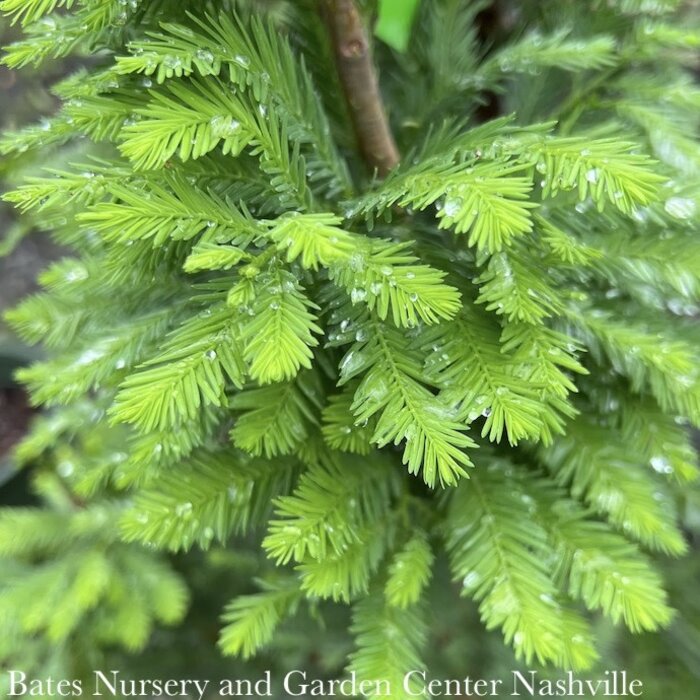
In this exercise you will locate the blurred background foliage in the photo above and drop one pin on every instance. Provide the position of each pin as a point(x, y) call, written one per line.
point(668, 663)
point(394, 22)
point(22, 97)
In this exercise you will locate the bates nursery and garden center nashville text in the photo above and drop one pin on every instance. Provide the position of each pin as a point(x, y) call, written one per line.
point(298, 683)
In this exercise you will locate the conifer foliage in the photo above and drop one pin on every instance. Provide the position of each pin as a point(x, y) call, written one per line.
point(481, 355)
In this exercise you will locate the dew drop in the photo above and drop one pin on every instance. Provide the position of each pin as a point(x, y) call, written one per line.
point(592, 175)
point(452, 207)
point(66, 468)
point(661, 465)
point(680, 207)
point(205, 55)
point(471, 580)
point(184, 510)
point(357, 295)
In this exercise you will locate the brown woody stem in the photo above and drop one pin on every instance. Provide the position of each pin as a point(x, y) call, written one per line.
point(359, 80)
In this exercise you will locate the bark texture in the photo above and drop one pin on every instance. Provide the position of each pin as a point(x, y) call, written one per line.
point(353, 55)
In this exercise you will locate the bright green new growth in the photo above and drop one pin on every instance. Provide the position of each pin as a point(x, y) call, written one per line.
point(485, 358)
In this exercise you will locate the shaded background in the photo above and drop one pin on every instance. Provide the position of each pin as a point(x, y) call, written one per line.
point(22, 97)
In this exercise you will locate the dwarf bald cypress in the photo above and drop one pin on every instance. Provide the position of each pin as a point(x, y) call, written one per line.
point(357, 330)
